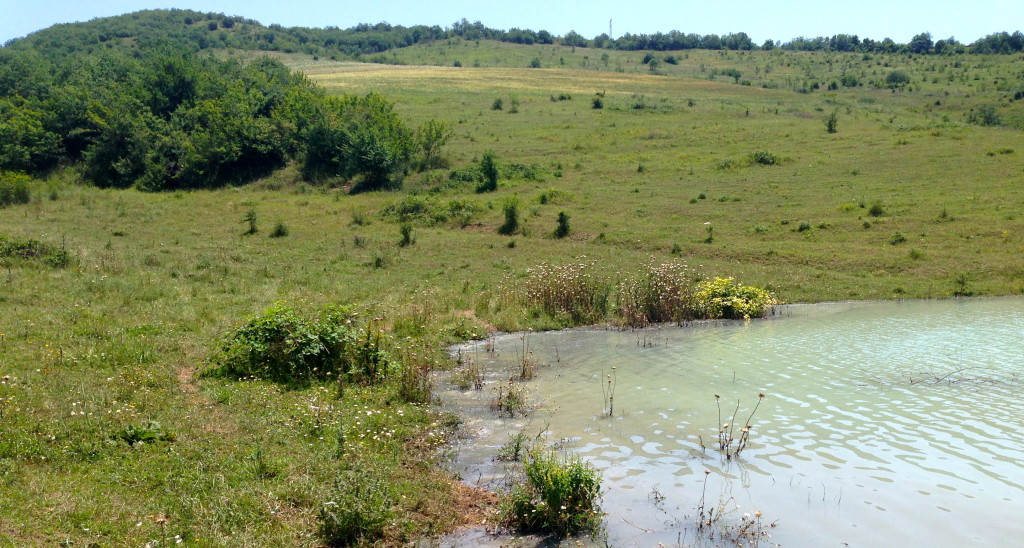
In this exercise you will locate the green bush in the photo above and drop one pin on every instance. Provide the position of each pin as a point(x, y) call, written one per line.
point(765, 158)
point(489, 173)
point(282, 346)
point(562, 230)
point(511, 212)
point(14, 188)
point(559, 496)
point(725, 298)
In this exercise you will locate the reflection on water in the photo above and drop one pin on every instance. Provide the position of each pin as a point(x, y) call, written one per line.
point(883, 423)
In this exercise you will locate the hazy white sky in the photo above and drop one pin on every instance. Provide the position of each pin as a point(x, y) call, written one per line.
point(780, 20)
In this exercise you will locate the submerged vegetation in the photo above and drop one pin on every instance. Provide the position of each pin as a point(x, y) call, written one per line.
point(245, 356)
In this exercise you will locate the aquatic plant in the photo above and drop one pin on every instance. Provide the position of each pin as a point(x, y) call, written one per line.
point(510, 399)
point(558, 495)
point(733, 438)
point(608, 391)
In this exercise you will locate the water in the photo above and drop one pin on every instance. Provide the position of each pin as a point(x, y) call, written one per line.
point(883, 423)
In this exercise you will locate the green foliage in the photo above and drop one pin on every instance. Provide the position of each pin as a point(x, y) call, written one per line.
point(765, 158)
point(25, 142)
point(535, 62)
point(498, 104)
point(725, 298)
point(897, 78)
point(358, 136)
point(357, 509)
point(280, 231)
point(488, 172)
point(985, 115)
point(510, 209)
point(138, 434)
point(897, 238)
point(431, 137)
point(562, 230)
point(250, 220)
point(832, 122)
point(430, 211)
point(14, 188)
point(876, 210)
point(597, 103)
point(559, 496)
point(34, 250)
point(405, 229)
point(281, 346)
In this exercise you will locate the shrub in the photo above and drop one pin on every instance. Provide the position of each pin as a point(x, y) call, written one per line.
point(725, 298)
point(405, 229)
point(498, 104)
point(897, 78)
point(357, 510)
point(34, 250)
point(832, 122)
point(659, 293)
point(535, 62)
point(281, 346)
point(559, 496)
point(511, 211)
point(597, 103)
point(489, 172)
point(280, 231)
point(570, 290)
point(765, 158)
point(897, 238)
point(14, 188)
point(562, 230)
point(876, 210)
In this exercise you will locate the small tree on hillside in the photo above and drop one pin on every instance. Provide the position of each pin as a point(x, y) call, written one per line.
point(489, 171)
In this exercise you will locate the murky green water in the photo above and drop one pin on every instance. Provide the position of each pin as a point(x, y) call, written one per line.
point(884, 423)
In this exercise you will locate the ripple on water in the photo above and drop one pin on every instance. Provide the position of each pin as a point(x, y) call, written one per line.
point(880, 420)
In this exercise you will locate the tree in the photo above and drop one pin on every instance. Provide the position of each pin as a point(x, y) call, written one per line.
point(897, 78)
point(832, 122)
point(920, 43)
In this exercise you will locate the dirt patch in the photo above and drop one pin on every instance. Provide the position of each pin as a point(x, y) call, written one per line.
point(477, 507)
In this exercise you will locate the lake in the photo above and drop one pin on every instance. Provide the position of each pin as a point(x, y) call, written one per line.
point(882, 423)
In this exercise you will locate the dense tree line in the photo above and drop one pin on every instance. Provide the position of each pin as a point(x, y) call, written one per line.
point(172, 119)
point(196, 31)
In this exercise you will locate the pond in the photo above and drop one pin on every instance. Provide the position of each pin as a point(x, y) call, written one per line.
point(882, 423)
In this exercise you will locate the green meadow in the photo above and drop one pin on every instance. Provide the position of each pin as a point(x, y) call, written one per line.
point(115, 434)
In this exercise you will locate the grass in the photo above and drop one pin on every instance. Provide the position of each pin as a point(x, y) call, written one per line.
point(107, 345)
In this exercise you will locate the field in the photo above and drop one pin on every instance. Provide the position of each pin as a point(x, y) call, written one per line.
point(906, 199)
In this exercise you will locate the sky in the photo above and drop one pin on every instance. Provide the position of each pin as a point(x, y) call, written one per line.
point(781, 20)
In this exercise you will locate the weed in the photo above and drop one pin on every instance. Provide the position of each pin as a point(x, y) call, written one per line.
point(357, 509)
point(138, 434)
point(658, 293)
point(280, 231)
point(876, 210)
point(559, 496)
point(510, 399)
point(728, 442)
point(572, 290)
point(511, 212)
point(250, 220)
point(765, 158)
point(608, 392)
point(405, 229)
point(897, 238)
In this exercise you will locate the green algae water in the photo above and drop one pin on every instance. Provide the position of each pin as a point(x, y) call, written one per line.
point(883, 423)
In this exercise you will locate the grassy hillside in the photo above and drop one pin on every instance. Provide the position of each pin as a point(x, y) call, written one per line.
point(107, 348)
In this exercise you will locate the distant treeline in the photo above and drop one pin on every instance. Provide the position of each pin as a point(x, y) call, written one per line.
point(166, 118)
point(199, 31)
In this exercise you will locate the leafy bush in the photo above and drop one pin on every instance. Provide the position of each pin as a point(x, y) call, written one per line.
point(282, 346)
point(559, 496)
point(597, 103)
point(765, 158)
point(897, 78)
point(150, 432)
point(14, 188)
point(488, 173)
point(511, 212)
point(876, 210)
point(725, 298)
point(562, 230)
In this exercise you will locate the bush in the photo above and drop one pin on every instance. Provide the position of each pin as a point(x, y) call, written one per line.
point(14, 188)
point(562, 230)
point(876, 210)
point(765, 158)
point(725, 298)
point(897, 78)
point(559, 496)
point(511, 211)
point(832, 122)
point(281, 346)
point(280, 231)
point(597, 103)
point(569, 290)
point(357, 510)
point(34, 250)
point(489, 173)
point(498, 104)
